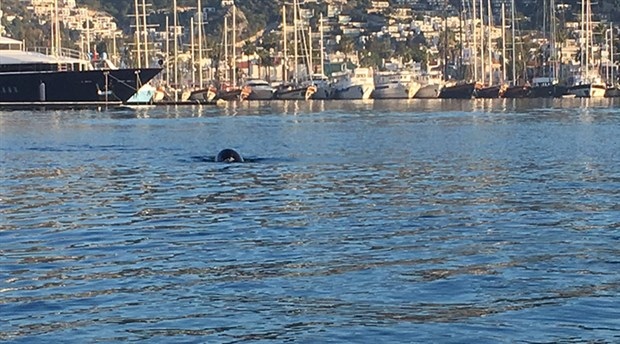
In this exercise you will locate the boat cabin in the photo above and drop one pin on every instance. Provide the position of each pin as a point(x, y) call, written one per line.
point(13, 58)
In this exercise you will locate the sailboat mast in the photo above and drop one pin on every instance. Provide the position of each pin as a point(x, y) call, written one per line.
point(490, 28)
point(200, 27)
point(552, 29)
point(56, 36)
point(475, 39)
point(503, 42)
point(582, 37)
point(192, 56)
point(295, 40)
point(611, 44)
point(514, 51)
point(167, 51)
point(87, 37)
point(284, 39)
point(590, 43)
point(234, 45)
point(482, 60)
point(226, 48)
point(323, 48)
point(138, 43)
point(310, 69)
point(144, 31)
point(544, 30)
point(175, 49)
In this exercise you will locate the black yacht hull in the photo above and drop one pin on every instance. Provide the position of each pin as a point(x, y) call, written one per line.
point(460, 91)
point(229, 95)
point(548, 91)
point(114, 85)
point(517, 92)
point(489, 92)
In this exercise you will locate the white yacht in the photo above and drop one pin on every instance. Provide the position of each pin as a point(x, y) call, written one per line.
point(395, 85)
point(257, 89)
point(356, 84)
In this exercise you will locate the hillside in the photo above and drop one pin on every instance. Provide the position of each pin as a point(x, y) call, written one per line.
point(259, 14)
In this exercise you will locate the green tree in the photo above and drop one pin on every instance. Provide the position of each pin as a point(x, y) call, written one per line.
point(346, 45)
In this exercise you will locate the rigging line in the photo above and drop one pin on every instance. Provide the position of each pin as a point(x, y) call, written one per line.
point(138, 81)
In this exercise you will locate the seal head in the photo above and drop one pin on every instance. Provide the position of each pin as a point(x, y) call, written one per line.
point(228, 155)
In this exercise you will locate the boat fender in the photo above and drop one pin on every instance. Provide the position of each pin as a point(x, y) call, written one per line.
point(42, 91)
point(228, 155)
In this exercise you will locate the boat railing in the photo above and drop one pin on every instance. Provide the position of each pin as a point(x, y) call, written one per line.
point(64, 52)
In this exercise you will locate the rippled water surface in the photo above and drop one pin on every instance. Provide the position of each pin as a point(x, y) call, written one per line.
point(421, 221)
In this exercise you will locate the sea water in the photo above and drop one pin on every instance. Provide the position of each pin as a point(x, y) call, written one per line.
point(351, 222)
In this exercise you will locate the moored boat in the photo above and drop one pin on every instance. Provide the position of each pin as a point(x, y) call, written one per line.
point(207, 94)
point(612, 91)
point(27, 76)
point(257, 89)
point(547, 87)
point(592, 89)
point(323, 87)
point(428, 91)
point(494, 91)
point(517, 91)
point(356, 84)
point(294, 92)
point(459, 90)
point(395, 85)
point(229, 95)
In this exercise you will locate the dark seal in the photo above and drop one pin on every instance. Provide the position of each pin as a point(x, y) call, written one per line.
point(228, 155)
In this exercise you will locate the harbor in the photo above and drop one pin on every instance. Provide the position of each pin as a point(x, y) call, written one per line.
point(474, 49)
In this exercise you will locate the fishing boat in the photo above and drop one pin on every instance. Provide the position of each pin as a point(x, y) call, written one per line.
point(27, 76)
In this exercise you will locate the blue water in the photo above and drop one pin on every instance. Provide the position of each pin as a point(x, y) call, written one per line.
point(352, 222)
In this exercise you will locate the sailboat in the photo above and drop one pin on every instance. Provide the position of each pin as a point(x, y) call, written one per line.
point(545, 83)
point(201, 93)
point(613, 87)
point(587, 82)
point(457, 89)
point(296, 89)
point(322, 83)
point(491, 89)
point(513, 89)
point(227, 89)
